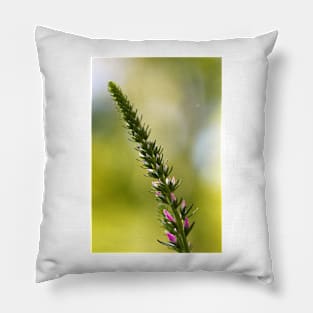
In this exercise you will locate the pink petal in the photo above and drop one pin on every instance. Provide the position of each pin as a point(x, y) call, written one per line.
point(171, 237)
point(186, 223)
point(173, 197)
point(168, 215)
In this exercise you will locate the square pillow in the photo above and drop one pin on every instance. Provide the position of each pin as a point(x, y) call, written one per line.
point(183, 120)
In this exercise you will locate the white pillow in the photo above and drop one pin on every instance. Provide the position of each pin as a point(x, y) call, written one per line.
point(66, 243)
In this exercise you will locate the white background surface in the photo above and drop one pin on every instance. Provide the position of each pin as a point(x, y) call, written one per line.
point(288, 153)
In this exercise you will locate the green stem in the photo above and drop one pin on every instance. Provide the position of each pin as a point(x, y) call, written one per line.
point(179, 224)
point(180, 227)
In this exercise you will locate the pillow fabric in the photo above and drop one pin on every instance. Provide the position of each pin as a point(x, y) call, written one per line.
point(196, 106)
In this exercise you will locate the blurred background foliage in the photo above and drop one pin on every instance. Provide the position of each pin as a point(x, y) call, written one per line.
point(180, 98)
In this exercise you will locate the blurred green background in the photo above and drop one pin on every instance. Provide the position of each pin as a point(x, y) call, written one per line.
point(180, 98)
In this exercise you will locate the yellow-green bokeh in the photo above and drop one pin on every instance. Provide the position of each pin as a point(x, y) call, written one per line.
point(180, 99)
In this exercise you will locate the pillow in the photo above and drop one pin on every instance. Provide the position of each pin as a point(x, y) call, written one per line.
point(183, 120)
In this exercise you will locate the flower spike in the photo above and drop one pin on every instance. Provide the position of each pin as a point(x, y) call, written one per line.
point(151, 155)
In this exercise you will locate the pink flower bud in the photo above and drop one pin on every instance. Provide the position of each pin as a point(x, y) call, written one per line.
point(186, 223)
point(155, 184)
point(173, 197)
point(183, 204)
point(171, 237)
point(158, 193)
point(168, 215)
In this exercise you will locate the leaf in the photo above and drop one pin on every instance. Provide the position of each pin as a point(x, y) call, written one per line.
point(193, 213)
point(167, 244)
